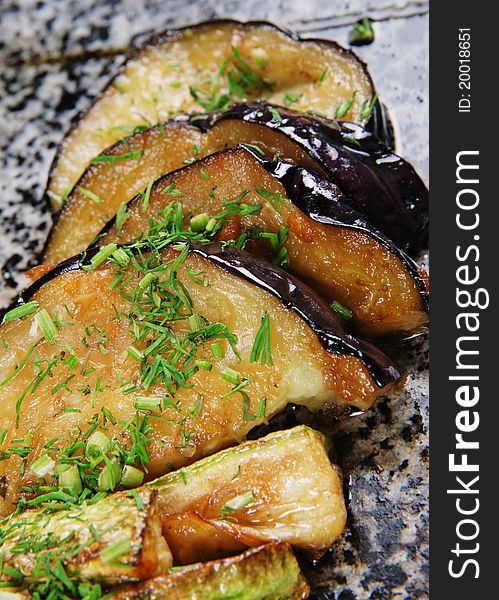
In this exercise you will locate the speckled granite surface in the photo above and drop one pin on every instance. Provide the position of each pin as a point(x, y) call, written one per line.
point(55, 54)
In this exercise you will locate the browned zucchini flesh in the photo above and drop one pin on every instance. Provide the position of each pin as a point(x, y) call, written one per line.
point(263, 573)
point(242, 497)
point(114, 540)
point(247, 490)
point(210, 339)
point(208, 67)
point(328, 246)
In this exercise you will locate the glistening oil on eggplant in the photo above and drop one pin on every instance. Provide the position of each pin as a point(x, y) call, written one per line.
point(323, 202)
point(376, 182)
point(291, 292)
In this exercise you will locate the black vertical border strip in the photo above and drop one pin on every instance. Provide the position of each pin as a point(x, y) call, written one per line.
point(450, 133)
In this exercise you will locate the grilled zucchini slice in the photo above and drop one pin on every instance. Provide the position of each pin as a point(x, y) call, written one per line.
point(263, 573)
point(208, 67)
point(114, 540)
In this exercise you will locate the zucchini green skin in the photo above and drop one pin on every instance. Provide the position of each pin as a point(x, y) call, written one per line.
point(80, 535)
point(265, 573)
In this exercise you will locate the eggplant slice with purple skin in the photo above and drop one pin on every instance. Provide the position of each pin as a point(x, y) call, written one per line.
point(208, 339)
point(299, 216)
point(210, 66)
point(375, 182)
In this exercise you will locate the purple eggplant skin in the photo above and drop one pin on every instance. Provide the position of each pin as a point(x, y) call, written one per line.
point(376, 182)
point(290, 291)
point(323, 202)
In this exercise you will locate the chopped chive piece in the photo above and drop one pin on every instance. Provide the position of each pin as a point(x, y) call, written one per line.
point(255, 147)
point(203, 364)
point(261, 346)
point(135, 495)
point(323, 74)
point(131, 477)
point(211, 225)
point(290, 99)
point(366, 109)
point(199, 222)
point(344, 312)
point(237, 503)
point(195, 322)
point(146, 281)
point(21, 311)
point(362, 33)
point(342, 109)
point(70, 478)
point(121, 257)
point(98, 445)
point(217, 350)
point(230, 375)
point(90, 195)
point(121, 216)
point(72, 362)
point(110, 476)
point(148, 403)
point(134, 353)
point(115, 551)
point(276, 115)
point(43, 465)
point(262, 408)
point(3, 435)
point(183, 476)
point(113, 158)
point(46, 326)
point(102, 255)
point(147, 195)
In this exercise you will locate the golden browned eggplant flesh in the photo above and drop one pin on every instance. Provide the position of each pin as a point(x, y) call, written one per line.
point(339, 257)
point(210, 339)
point(209, 67)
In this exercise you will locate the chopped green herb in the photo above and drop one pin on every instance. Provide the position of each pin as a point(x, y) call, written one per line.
point(344, 312)
point(261, 350)
point(367, 108)
point(290, 99)
point(21, 311)
point(362, 33)
point(237, 503)
point(343, 108)
point(90, 195)
point(114, 158)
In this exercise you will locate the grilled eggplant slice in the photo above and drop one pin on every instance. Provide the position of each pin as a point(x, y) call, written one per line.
point(279, 488)
point(263, 573)
point(366, 273)
point(374, 181)
point(114, 540)
point(157, 331)
point(210, 66)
